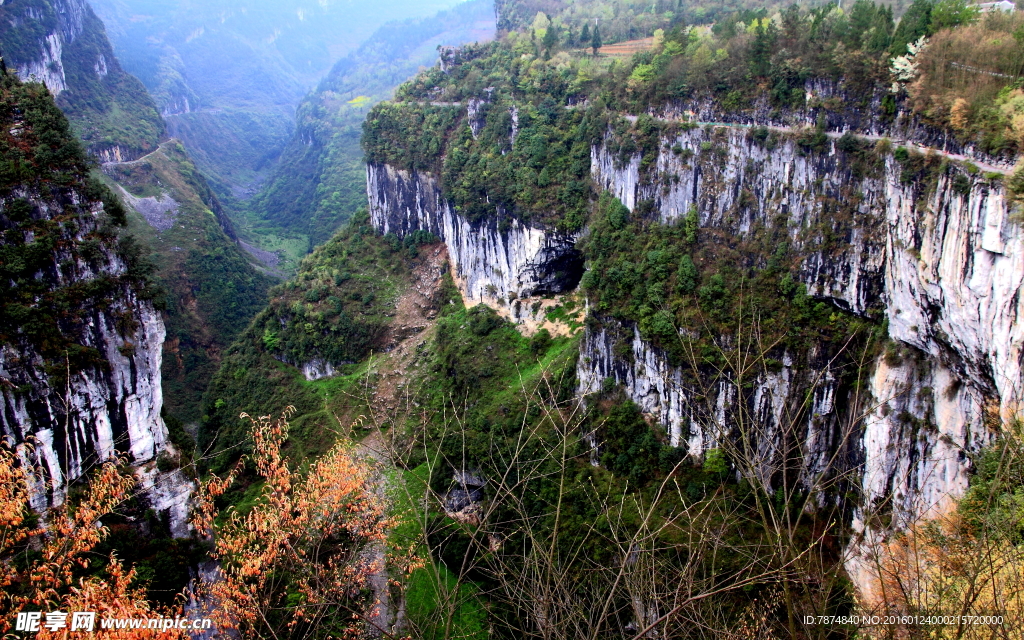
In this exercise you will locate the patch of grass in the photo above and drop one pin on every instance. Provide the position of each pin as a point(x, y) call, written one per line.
point(432, 587)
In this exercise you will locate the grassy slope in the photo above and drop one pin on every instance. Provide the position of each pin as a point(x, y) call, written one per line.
point(212, 287)
point(337, 307)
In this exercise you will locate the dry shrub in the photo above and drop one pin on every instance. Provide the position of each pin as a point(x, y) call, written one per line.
point(962, 71)
point(303, 559)
point(946, 567)
point(50, 581)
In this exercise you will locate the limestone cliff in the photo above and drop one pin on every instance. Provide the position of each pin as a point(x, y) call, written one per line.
point(942, 262)
point(81, 341)
point(931, 252)
point(64, 45)
point(501, 261)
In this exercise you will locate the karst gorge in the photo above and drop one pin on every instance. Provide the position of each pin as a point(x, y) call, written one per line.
point(525, 319)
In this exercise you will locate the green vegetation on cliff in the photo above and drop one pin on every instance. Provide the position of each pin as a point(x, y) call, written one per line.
point(108, 108)
point(335, 312)
point(320, 179)
point(56, 258)
point(212, 288)
point(527, 148)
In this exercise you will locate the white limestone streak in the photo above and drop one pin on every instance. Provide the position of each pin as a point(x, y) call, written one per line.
point(736, 184)
point(130, 389)
point(699, 419)
point(49, 68)
point(100, 413)
point(317, 368)
point(951, 269)
point(492, 263)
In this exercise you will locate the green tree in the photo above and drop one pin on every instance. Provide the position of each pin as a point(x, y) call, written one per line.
point(550, 40)
point(761, 51)
point(596, 43)
point(952, 13)
point(916, 22)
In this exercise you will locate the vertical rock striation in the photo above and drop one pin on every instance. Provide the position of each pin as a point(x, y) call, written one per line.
point(80, 339)
point(943, 260)
point(935, 255)
point(497, 260)
point(80, 414)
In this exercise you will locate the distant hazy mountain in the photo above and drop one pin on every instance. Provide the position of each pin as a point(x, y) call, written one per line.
point(228, 74)
point(320, 180)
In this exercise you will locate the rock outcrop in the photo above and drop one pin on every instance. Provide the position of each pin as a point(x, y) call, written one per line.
point(81, 342)
point(943, 262)
point(934, 255)
point(62, 44)
point(79, 415)
point(500, 260)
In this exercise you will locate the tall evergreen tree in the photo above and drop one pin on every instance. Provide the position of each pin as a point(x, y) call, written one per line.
point(550, 39)
point(596, 41)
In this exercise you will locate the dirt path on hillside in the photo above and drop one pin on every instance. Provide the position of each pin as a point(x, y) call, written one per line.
point(391, 402)
point(383, 619)
point(415, 314)
point(991, 168)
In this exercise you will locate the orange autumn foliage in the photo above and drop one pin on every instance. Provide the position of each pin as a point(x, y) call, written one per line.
point(308, 560)
point(300, 562)
point(49, 581)
point(946, 567)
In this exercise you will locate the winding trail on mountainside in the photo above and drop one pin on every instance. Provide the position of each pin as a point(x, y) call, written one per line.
point(382, 620)
point(911, 146)
point(988, 167)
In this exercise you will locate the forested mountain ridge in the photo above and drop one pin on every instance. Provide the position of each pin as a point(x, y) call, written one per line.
point(320, 180)
point(212, 286)
point(63, 44)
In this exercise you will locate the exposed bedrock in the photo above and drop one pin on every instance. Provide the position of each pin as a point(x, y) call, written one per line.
point(937, 257)
point(943, 263)
point(498, 260)
point(107, 409)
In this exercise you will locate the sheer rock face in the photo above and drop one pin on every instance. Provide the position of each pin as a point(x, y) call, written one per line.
point(945, 265)
point(108, 407)
point(738, 185)
point(942, 263)
point(64, 21)
point(497, 260)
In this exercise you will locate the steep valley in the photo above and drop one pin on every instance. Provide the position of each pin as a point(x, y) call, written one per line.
point(833, 312)
point(213, 286)
point(720, 340)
